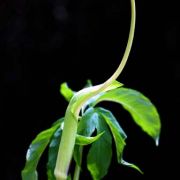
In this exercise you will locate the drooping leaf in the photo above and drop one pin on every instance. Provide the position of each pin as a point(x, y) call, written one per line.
point(100, 153)
point(87, 123)
point(66, 91)
point(86, 127)
point(52, 153)
point(117, 132)
point(35, 151)
point(143, 112)
point(85, 140)
point(131, 166)
point(119, 136)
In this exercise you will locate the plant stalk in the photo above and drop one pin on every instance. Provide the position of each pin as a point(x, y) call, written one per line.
point(78, 167)
point(66, 146)
point(128, 46)
point(122, 62)
point(71, 120)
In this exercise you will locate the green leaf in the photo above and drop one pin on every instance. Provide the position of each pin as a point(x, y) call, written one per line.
point(87, 123)
point(86, 127)
point(85, 140)
point(143, 112)
point(35, 151)
point(52, 153)
point(100, 153)
point(119, 136)
point(69, 177)
point(117, 132)
point(66, 91)
point(131, 166)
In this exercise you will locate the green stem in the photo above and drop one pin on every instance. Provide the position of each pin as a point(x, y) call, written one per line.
point(128, 47)
point(78, 166)
point(71, 120)
point(122, 63)
point(66, 146)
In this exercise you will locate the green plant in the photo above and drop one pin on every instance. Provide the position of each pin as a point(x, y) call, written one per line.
point(85, 123)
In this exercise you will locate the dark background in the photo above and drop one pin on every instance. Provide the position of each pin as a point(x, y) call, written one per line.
point(46, 42)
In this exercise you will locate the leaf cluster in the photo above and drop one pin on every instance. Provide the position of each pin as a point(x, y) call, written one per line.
point(98, 128)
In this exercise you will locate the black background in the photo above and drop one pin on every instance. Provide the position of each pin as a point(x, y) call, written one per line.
point(46, 42)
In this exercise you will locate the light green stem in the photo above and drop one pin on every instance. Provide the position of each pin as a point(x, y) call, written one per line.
point(66, 146)
point(71, 120)
point(128, 47)
point(123, 61)
point(78, 168)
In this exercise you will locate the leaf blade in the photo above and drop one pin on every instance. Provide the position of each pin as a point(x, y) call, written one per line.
point(86, 140)
point(125, 163)
point(86, 127)
point(87, 123)
point(52, 153)
point(66, 92)
point(117, 132)
point(35, 151)
point(143, 112)
point(100, 153)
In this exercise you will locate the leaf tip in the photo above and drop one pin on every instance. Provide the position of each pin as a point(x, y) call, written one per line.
point(125, 163)
point(65, 91)
point(157, 141)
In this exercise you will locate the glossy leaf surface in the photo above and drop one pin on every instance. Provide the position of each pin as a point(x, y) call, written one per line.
point(36, 150)
point(100, 153)
point(143, 112)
